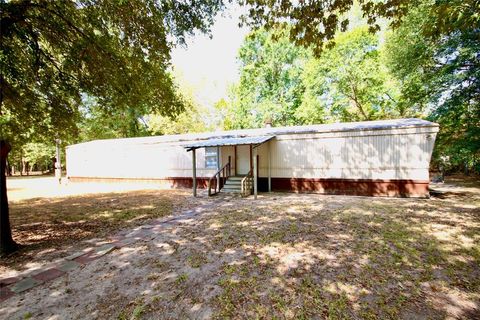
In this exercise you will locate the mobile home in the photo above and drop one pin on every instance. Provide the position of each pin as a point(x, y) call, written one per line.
point(376, 158)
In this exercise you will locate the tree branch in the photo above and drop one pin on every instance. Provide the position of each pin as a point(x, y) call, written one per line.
point(354, 97)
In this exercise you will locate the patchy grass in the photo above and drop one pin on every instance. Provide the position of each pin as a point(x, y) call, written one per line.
point(289, 256)
point(133, 311)
point(351, 257)
point(197, 259)
point(46, 227)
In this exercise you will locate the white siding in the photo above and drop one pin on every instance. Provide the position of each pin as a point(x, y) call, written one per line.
point(143, 161)
point(400, 153)
point(374, 155)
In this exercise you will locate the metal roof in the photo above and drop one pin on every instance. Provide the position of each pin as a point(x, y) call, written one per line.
point(191, 138)
point(229, 141)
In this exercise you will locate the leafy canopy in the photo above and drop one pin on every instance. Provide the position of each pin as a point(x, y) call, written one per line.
point(315, 23)
point(270, 86)
point(117, 52)
point(287, 85)
point(442, 74)
point(349, 82)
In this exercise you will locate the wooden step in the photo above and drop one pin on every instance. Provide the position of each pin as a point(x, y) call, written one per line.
point(231, 190)
point(235, 178)
point(233, 182)
point(235, 187)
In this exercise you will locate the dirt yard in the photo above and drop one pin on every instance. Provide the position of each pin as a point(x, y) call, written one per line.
point(49, 219)
point(284, 256)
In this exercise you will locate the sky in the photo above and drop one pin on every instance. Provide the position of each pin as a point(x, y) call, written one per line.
point(207, 65)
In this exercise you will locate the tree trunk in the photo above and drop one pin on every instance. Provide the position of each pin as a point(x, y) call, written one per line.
point(24, 167)
point(9, 169)
point(7, 245)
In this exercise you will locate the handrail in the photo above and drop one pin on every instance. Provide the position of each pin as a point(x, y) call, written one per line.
point(243, 183)
point(226, 173)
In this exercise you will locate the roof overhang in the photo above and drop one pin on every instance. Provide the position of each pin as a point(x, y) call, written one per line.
point(255, 141)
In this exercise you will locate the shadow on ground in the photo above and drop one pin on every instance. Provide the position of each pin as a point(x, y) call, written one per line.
point(48, 227)
point(287, 256)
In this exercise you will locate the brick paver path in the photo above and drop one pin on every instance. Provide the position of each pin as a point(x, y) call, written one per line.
point(17, 285)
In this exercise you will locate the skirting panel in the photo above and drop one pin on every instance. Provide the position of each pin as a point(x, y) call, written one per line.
point(357, 187)
point(170, 182)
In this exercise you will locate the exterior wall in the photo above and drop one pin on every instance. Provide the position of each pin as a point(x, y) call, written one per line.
point(355, 187)
point(401, 154)
point(225, 152)
point(168, 183)
point(104, 159)
point(365, 162)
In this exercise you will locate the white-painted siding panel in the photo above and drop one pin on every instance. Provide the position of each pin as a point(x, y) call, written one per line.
point(376, 154)
point(387, 156)
point(134, 161)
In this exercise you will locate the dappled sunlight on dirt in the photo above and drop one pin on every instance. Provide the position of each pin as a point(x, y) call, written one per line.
point(47, 228)
point(287, 256)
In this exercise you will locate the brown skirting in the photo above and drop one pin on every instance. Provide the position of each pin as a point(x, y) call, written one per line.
point(358, 187)
point(170, 182)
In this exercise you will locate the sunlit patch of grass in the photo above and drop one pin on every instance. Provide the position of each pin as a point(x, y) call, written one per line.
point(236, 293)
point(181, 279)
point(134, 310)
point(393, 244)
point(197, 259)
point(44, 223)
point(327, 258)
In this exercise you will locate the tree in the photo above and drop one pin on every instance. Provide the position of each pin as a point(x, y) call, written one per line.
point(118, 52)
point(349, 82)
point(315, 23)
point(98, 123)
point(191, 119)
point(440, 70)
point(288, 85)
point(115, 51)
point(270, 86)
point(7, 244)
point(436, 57)
point(39, 155)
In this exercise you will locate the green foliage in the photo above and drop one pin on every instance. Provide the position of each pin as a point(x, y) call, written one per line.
point(440, 71)
point(287, 85)
point(86, 69)
point(270, 86)
point(429, 67)
point(349, 82)
point(118, 52)
point(194, 117)
point(98, 123)
point(40, 154)
point(33, 156)
point(188, 121)
point(316, 23)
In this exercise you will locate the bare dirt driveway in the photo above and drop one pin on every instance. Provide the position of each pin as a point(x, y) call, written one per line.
point(284, 256)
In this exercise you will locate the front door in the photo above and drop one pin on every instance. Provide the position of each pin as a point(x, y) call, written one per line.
point(243, 159)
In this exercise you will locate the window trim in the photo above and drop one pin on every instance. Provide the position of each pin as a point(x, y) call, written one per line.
point(211, 156)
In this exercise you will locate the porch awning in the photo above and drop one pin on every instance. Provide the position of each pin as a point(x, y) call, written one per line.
point(257, 140)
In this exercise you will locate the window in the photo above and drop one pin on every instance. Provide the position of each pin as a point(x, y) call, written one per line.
point(211, 158)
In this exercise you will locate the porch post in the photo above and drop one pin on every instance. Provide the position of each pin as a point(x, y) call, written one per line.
point(235, 164)
point(194, 172)
point(269, 167)
point(218, 168)
point(255, 176)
